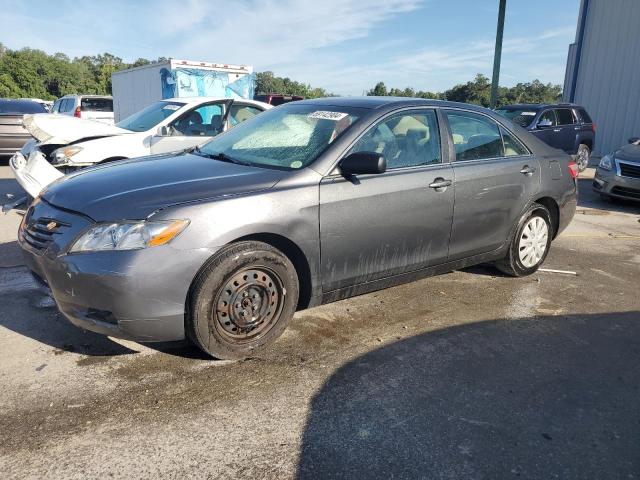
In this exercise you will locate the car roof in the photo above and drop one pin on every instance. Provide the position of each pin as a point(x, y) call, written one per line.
point(540, 106)
point(196, 100)
point(74, 95)
point(386, 102)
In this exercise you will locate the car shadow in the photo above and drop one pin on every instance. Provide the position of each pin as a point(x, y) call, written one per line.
point(545, 397)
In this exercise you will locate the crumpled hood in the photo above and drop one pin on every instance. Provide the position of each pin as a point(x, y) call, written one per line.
point(136, 188)
point(629, 152)
point(63, 129)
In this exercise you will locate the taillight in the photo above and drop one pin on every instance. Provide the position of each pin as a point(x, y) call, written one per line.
point(573, 169)
point(593, 127)
point(77, 113)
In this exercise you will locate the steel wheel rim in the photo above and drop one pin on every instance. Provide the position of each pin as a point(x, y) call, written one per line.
point(533, 242)
point(249, 304)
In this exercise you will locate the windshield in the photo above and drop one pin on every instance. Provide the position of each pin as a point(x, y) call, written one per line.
point(288, 137)
point(149, 117)
point(19, 107)
point(519, 116)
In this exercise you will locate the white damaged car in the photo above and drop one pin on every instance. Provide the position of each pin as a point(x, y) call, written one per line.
point(63, 144)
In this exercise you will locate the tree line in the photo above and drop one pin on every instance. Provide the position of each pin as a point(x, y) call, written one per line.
point(478, 91)
point(35, 74)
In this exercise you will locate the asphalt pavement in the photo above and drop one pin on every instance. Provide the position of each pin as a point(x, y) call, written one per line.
point(465, 375)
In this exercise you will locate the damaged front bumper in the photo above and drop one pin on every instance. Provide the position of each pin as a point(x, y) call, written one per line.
point(33, 173)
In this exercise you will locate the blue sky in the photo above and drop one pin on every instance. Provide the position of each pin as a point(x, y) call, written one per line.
point(345, 46)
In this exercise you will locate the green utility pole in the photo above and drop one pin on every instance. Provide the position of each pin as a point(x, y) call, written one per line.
point(497, 54)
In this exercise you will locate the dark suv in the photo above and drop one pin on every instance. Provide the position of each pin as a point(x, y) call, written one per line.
point(564, 125)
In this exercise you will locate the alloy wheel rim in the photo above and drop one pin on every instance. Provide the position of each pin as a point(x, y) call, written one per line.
point(583, 157)
point(249, 304)
point(533, 242)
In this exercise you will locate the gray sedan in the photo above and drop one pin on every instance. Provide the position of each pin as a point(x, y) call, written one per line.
point(618, 174)
point(308, 203)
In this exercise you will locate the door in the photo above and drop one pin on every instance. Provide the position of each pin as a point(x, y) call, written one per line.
point(375, 226)
point(194, 127)
point(547, 129)
point(495, 179)
point(567, 125)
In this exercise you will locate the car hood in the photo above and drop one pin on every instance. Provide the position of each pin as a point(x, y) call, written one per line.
point(630, 153)
point(134, 189)
point(63, 129)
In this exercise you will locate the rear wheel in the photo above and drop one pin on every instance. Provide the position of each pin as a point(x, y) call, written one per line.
point(583, 156)
point(242, 300)
point(530, 245)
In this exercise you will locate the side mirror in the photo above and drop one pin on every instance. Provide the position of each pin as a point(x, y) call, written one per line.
point(163, 131)
point(362, 163)
point(634, 140)
point(544, 124)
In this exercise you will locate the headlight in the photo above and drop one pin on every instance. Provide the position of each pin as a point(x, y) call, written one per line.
point(62, 155)
point(128, 235)
point(606, 162)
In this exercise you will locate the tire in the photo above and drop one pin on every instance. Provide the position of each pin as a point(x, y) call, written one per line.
point(242, 300)
point(514, 264)
point(582, 157)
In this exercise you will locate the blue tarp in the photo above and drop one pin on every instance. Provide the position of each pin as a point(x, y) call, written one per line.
point(191, 82)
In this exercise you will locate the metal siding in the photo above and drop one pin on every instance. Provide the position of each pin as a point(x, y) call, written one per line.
point(609, 74)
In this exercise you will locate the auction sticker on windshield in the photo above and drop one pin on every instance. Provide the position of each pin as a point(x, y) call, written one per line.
point(171, 107)
point(324, 115)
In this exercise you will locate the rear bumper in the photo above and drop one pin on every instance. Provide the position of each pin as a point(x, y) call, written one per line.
point(610, 183)
point(35, 173)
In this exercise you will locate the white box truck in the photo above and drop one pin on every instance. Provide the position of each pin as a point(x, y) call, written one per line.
point(135, 88)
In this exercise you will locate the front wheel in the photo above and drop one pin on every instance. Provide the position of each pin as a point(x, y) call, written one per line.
point(582, 157)
point(530, 245)
point(242, 300)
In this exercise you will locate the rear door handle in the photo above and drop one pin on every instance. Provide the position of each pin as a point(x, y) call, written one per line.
point(527, 170)
point(557, 129)
point(440, 183)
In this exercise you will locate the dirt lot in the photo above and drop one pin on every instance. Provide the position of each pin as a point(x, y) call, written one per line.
point(466, 375)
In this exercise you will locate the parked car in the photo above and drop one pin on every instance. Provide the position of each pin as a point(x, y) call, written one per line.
point(307, 203)
point(47, 104)
point(89, 107)
point(565, 126)
point(66, 144)
point(276, 99)
point(618, 174)
point(13, 135)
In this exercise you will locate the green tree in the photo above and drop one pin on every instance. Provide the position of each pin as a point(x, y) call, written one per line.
point(380, 90)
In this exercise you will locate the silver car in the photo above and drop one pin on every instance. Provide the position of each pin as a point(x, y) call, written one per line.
point(618, 173)
point(308, 203)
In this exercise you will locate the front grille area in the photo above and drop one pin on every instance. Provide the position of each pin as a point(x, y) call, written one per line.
point(626, 192)
point(629, 169)
point(39, 232)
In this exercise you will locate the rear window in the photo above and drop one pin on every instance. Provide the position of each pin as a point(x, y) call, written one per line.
point(20, 107)
point(584, 115)
point(96, 105)
point(519, 116)
point(565, 116)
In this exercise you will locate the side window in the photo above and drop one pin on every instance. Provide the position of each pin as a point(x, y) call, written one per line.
point(512, 146)
point(547, 119)
point(565, 117)
point(475, 136)
point(203, 121)
point(241, 113)
point(67, 105)
point(56, 106)
point(585, 116)
point(405, 140)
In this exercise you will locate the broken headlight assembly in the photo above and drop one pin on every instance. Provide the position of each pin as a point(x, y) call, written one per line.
point(63, 155)
point(128, 235)
point(606, 162)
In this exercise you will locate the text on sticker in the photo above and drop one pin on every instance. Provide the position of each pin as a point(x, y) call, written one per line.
point(328, 115)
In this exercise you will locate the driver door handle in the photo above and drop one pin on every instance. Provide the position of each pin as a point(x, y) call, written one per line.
point(557, 129)
point(527, 170)
point(440, 183)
